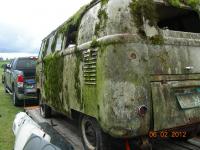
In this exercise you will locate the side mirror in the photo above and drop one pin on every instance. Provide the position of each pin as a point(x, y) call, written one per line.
point(8, 66)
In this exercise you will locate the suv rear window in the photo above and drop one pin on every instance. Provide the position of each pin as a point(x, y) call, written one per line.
point(26, 63)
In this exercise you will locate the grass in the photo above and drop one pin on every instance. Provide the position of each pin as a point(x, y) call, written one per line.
point(7, 114)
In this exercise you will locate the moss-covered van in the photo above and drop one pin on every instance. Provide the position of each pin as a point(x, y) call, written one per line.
point(132, 65)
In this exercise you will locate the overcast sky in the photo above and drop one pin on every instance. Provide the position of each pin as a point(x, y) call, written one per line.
point(24, 23)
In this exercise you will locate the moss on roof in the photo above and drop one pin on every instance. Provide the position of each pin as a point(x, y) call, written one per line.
point(177, 3)
point(74, 21)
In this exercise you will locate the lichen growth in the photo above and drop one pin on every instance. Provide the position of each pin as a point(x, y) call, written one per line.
point(74, 21)
point(77, 83)
point(44, 51)
point(103, 17)
point(53, 45)
point(178, 3)
point(94, 43)
point(175, 3)
point(69, 29)
point(157, 40)
point(104, 2)
point(37, 77)
point(53, 71)
point(143, 10)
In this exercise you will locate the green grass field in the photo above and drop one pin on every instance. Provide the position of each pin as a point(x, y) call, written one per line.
point(7, 114)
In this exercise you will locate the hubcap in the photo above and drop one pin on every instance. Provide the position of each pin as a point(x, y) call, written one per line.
point(42, 110)
point(89, 134)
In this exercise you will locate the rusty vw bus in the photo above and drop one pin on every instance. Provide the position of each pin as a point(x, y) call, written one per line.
point(126, 67)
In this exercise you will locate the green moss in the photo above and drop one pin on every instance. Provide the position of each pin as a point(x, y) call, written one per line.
point(73, 22)
point(44, 52)
point(175, 3)
point(104, 2)
point(193, 3)
point(53, 45)
point(53, 71)
point(178, 3)
point(66, 94)
point(103, 17)
point(157, 40)
point(77, 84)
point(37, 77)
point(143, 9)
point(94, 43)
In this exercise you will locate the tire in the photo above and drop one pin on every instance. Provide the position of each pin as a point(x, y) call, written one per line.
point(45, 110)
point(15, 99)
point(93, 137)
point(5, 87)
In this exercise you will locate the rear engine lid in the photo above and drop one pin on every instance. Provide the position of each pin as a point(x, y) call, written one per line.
point(175, 103)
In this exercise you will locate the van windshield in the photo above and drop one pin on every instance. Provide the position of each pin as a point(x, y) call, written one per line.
point(26, 63)
point(177, 19)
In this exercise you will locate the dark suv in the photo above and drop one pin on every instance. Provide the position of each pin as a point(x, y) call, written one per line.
point(19, 79)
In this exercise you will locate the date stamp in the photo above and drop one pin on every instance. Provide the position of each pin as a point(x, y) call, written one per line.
point(167, 134)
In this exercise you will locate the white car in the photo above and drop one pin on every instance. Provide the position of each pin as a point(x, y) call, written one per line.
point(24, 128)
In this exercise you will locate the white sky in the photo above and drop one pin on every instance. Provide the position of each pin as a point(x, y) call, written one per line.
point(24, 23)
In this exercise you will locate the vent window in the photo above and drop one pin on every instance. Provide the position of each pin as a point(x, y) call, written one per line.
point(178, 19)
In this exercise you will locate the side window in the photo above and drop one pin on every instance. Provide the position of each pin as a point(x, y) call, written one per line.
point(49, 45)
point(59, 42)
point(177, 19)
point(70, 35)
point(45, 47)
point(41, 49)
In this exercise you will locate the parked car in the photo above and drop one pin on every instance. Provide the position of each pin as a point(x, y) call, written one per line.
point(19, 80)
point(29, 134)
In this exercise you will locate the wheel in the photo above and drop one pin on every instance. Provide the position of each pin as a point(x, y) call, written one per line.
point(93, 137)
point(5, 87)
point(45, 110)
point(15, 98)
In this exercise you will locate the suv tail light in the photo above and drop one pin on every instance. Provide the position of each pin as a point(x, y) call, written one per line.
point(20, 81)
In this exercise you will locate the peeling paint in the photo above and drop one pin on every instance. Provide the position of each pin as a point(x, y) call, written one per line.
point(125, 70)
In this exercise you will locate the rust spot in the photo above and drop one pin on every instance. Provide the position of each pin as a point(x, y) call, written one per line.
point(194, 120)
point(142, 110)
point(132, 56)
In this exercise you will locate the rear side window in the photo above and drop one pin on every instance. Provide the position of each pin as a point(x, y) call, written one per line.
point(178, 19)
point(26, 63)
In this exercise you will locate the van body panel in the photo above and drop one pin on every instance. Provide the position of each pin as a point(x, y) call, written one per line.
point(110, 73)
point(175, 58)
point(123, 88)
point(169, 112)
